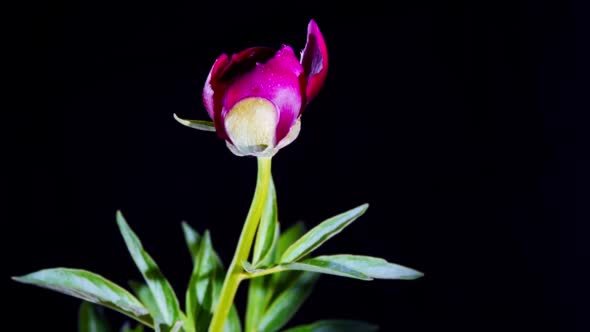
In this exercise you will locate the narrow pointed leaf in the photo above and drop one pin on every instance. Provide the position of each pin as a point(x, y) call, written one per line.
point(176, 327)
point(263, 290)
point(192, 239)
point(203, 310)
point(352, 266)
point(144, 294)
point(219, 278)
point(90, 287)
point(271, 255)
point(373, 267)
point(168, 307)
point(192, 306)
point(196, 124)
point(335, 326)
point(326, 267)
point(279, 281)
point(289, 237)
point(311, 265)
point(127, 328)
point(267, 233)
point(205, 284)
point(257, 291)
point(204, 273)
point(199, 294)
point(286, 304)
point(91, 319)
point(320, 234)
point(233, 323)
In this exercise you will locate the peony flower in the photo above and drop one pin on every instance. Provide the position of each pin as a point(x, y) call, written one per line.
point(255, 97)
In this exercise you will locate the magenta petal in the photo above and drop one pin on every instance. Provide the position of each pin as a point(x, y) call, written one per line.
point(244, 61)
point(276, 80)
point(209, 89)
point(222, 72)
point(314, 59)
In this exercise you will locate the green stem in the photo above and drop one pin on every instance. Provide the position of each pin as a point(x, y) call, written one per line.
point(234, 274)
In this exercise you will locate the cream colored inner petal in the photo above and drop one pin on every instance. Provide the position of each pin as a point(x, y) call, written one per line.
point(251, 124)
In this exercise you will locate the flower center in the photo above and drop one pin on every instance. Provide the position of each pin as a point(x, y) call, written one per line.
point(251, 125)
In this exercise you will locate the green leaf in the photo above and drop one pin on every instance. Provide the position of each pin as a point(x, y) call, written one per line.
point(326, 267)
point(204, 272)
point(218, 278)
point(127, 328)
point(289, 237)
point(192, 306)
point(166, 301)
point(286, 239)
point(199, 295)
point(196, 124)
point(90, 287)
point(268, 231)
point(264, 290)
point(286, 304)
point(205, 284)
point(91, 319)
point(335, 326)
point(233, 324)
point(177, 326)
point(320, 234)
point(192, 239)
point(352, 266)
point(202, 313)
point(279, 281)
point(257, 292)
point(373, 267)
point(143, 292)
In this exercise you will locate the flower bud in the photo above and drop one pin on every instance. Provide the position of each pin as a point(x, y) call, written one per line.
point(255, 97)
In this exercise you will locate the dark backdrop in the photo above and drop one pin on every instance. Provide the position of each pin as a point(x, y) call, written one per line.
point(463, 125)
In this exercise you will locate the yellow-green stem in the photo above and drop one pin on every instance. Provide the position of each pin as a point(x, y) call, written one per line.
point(234, 273)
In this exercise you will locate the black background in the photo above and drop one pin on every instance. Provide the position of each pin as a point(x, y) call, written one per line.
point(463, 125)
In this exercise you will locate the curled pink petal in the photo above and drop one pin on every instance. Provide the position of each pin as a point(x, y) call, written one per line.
point(314, 59)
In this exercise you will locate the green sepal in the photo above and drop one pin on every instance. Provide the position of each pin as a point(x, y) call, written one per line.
point(203, 125)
